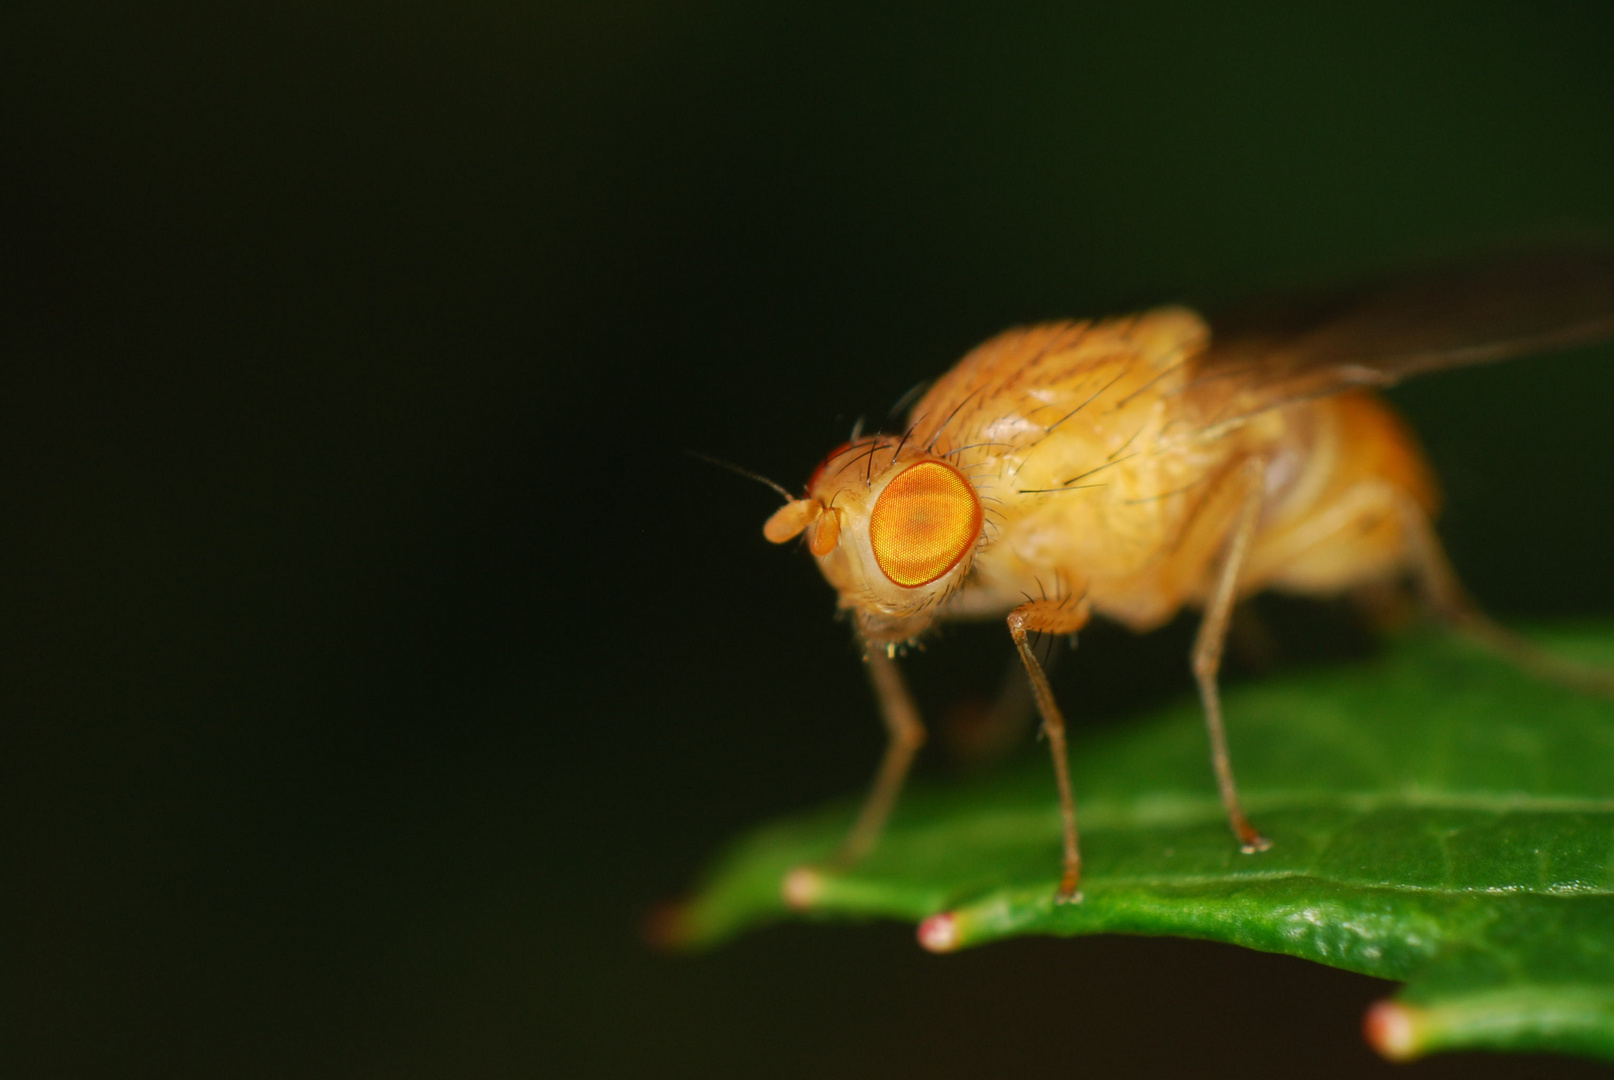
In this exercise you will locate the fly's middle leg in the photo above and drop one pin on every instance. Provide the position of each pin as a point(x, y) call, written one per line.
point(1054, 617)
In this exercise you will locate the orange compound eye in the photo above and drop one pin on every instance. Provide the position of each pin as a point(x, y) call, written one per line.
point(923, 523)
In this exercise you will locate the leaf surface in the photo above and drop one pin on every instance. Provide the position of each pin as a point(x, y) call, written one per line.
point(1437, 818)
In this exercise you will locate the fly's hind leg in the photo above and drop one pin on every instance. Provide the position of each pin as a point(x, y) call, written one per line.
point(1207, 657)
point(1441, 590)
point(1054, 617)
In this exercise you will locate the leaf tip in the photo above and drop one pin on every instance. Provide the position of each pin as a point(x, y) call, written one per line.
point(668, 927)
point(1393, 1030)
point(939, 933)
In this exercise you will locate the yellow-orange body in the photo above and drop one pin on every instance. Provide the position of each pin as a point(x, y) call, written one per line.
point(1106, 470)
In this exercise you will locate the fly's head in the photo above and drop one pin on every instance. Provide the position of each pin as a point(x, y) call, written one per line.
point(894, 530)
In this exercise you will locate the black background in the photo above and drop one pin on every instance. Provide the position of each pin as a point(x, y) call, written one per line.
point(373, 656)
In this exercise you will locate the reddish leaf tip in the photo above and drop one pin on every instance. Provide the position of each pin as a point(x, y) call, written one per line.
point(1392, 1030)
point(939, 933)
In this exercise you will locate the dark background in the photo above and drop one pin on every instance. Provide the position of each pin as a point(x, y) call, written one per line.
point(373, 656)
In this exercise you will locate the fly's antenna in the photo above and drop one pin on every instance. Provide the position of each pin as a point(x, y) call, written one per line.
point(739, 471)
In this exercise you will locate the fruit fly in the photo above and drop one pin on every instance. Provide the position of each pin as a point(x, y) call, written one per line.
point(1131, 467)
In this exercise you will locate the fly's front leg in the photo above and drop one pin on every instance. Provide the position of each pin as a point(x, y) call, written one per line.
point(905, 734)
point(1444, 594)
point(1208, 654)
point(1054, 617)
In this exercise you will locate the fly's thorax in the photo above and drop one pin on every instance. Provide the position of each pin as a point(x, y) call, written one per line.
point(894, 529)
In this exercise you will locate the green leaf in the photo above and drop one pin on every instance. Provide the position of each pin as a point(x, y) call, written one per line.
point(1437, 818)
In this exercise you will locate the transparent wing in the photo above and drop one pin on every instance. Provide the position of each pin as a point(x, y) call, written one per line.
point(1307, 346)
